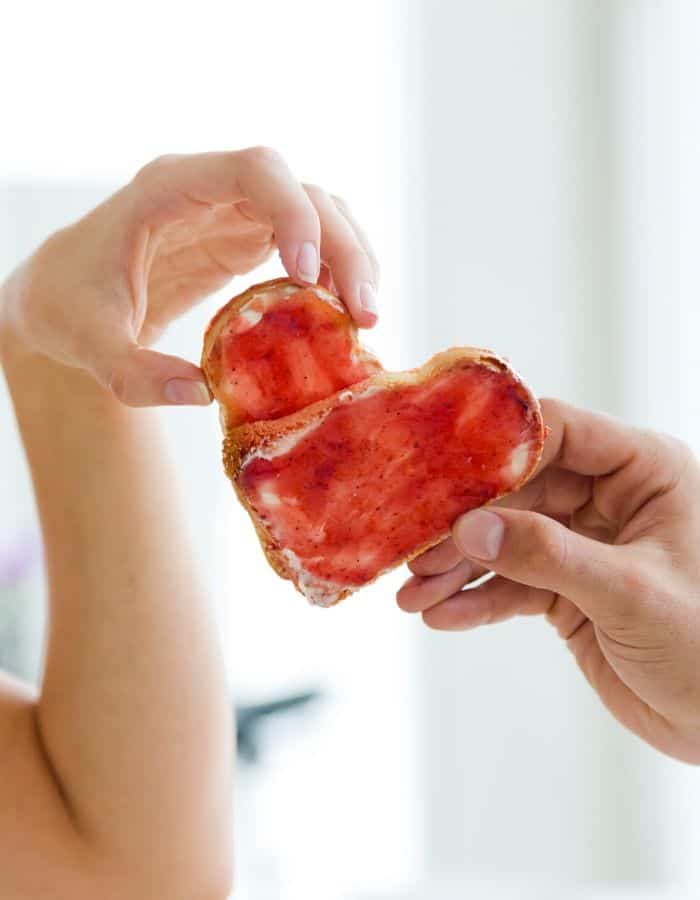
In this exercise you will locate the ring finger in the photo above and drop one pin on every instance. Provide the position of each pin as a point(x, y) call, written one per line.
point(346, 257)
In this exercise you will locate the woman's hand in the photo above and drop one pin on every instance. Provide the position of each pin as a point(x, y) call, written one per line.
point(603, 542)
point(98, 292)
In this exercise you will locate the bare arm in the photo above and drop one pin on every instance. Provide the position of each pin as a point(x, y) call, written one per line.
point(121, 769)
point(117, 777)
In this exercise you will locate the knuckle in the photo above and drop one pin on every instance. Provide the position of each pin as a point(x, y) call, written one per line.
point(153, 187)
point(667, 459)
point(676, 449)
point(640, 589)
point(155, 168)
point(637, 583)
point(547, 546)
point(261, 155)
point(551, 408)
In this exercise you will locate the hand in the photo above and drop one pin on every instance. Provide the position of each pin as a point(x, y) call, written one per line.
point(98, 292)
point(603, 542)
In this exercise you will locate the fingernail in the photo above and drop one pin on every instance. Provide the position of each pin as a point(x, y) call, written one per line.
point(479, 534)
point(308, 264)
point(368, 299)
point(192, 393)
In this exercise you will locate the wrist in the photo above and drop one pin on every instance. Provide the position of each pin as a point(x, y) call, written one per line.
point(15, 347)
point(23, 364)
point(33, 378)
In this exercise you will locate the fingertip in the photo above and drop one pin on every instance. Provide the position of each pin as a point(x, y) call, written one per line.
point(368, 303)
point(143, 377)
point(361, 301)
point(405, 593)
point(365, 319)
point(301, 261)
point(307, 266)
point(183, 392)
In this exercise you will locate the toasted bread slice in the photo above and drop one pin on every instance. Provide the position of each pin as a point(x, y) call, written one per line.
point(357, 483)
point(278, 347)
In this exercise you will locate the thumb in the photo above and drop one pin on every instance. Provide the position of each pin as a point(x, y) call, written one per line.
point(532, 549)
point(141, 377)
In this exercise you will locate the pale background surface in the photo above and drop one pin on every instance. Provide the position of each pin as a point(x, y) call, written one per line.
point(529, 173)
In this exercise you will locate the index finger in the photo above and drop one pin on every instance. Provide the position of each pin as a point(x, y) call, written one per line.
point(585, 442)
point(630, 465)
point(173, 186)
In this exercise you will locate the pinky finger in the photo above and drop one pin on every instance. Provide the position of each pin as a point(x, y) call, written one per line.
point(347, 259)
point(362, 238)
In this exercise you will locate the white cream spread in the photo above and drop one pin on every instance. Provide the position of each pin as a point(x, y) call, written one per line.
point(515, 468)
point(317, 591)
point(283, 444)
point(251, 316)
point(478, 400)
point(270, 497)
point(253, 311)
point(287, 442)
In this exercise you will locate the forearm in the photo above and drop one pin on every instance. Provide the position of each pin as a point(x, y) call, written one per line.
point(133, 711)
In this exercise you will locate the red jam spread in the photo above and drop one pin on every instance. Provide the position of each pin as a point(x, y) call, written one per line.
point(388, 470)
point(286, 348)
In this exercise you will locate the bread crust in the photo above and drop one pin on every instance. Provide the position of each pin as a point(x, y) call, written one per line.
point(240, 301)
point(242, 442)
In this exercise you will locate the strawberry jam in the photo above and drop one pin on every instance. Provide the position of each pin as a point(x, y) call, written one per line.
point(284, 349)
point(387, 471)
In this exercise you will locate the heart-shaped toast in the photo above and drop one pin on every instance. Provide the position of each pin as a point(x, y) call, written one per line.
point(277, 348)
point(347, 470)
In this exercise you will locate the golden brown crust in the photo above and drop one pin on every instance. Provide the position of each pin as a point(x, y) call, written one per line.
point(254, 435)
point(231, 446)
point(240, 442)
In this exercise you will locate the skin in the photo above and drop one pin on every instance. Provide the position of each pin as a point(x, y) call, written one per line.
point(99, 292)
point(117, 773)
point(603, 543)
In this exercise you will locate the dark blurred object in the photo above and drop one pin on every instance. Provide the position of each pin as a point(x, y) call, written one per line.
point(249, 719)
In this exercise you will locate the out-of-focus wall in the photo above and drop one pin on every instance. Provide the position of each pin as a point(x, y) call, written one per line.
point(655, 79)
point(555, 144)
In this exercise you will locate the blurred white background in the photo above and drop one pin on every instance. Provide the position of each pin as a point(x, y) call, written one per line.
point(529, 174)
